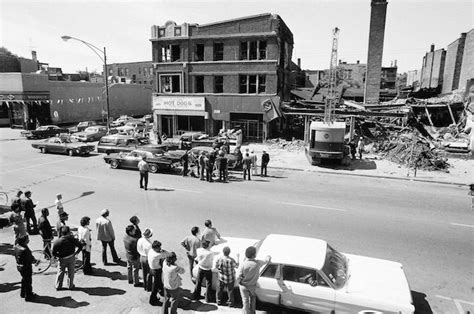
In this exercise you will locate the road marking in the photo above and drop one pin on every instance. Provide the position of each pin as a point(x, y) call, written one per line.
point(84, 177)
point(461, 225)
point(457, 303)
point(37, 165)
point(313, 206)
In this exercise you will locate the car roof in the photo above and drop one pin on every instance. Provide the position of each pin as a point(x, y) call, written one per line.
point(294, 250)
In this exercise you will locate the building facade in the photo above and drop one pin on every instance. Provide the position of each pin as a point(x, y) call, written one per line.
point(131, 73)
point(223, 75)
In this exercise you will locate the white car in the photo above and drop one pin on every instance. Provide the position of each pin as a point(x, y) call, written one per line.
point(130, 127)
point(308, 274)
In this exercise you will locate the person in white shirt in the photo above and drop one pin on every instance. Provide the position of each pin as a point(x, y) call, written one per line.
point(143, 168)
point(59, 204)
point(156, 256)
point(191, 243)
point(253, 157)
point(84, 234)
point(204, 261)
point(171, 283)
point(143, 246)
point(106, 234)
point(210, 233)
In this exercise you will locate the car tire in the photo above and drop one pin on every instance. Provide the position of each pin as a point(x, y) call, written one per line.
point(70, 152)
point(153, 168)
point(114, 164)
point(43, 150)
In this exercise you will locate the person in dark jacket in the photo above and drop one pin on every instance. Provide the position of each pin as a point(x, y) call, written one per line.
point(24, 260)
point(135, 221)
point(16, 202)
point(202, 165)
point(223, 167)
point(133, 258)
point(46, 232)
point(29, 208)
point(265, 161)
point(246, 166)
point(185, 160)
point(352, 146)
point(212, 162)
point(64, 249)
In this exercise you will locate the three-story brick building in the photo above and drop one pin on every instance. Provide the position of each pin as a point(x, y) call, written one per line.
point(229, 74)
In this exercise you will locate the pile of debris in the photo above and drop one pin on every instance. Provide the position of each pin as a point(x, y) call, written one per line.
point(280, 143)
point(413, 151)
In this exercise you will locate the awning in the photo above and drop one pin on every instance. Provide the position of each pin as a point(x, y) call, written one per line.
point(181, 112)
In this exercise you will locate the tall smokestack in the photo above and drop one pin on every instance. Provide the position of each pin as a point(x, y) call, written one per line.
point(374, 57)
point(299, 63)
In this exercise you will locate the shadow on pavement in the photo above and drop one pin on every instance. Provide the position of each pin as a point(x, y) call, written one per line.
point(63, 302)
point(6, 249)
point(357, 164)
point(161, 189)
point(101, 291)
point(116, 275)
point(9, 286)
point(421, 304)
point(87, 193)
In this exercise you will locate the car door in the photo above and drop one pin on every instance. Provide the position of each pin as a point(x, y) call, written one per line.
point(269, 285)
point(131, 160)
point(54, 145)
point(304, 289)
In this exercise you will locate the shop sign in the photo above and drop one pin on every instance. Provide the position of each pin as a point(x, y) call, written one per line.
point(178, 103)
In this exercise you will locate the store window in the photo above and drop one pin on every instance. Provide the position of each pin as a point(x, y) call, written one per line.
point(218, 84)
point(218, 51)
point(253, 50)
point(199, 56)
point(170, 84)
point(199, 84)
point(252, 84)
point(170, 53)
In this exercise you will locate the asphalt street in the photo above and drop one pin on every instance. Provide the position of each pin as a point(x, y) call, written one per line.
point(427, 227)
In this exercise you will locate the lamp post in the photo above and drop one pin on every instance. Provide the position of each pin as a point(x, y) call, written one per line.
point(102, 56)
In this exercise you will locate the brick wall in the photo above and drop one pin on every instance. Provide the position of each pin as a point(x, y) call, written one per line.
point(467, 70)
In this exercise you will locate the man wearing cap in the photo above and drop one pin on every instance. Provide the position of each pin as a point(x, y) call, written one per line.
point(143, 246)
point(24, 260)
point(64, 249)
point(106, 234)
point(45, 231)
point(156, 256)
point(133, 258)
point(63, 217)
point(143, 168)
point(29, 208)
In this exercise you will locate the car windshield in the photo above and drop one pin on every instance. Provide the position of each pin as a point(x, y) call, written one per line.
point(83, 124)
point(335, 267)
point(91, 130)
point(42, 128)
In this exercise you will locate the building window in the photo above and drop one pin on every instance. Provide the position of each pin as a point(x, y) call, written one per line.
point(126, 72)
point(161, 32)
point(119, 72)
point(199, 81)
point(199, 52)
point(177, 31)
point(253, 50)
point(218, 84)
point(151, 71)
point(170, 84)
point(218, 51)
point(248, 84)
point(134, 78)
point(170, 53)
point(139, 71)
point(145, 71)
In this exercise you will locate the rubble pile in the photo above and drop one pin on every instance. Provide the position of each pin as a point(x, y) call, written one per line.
point(413, 151)
point(291, 146)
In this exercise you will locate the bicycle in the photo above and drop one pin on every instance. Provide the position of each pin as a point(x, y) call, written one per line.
point(44, 262)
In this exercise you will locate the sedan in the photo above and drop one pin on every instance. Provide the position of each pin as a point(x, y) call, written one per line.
point(63, 145)
point(157, 162)
point(310, 275)
point(91, 134)
point(44, 131)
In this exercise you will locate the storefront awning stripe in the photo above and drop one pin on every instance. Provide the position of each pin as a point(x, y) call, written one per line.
point(181, 112)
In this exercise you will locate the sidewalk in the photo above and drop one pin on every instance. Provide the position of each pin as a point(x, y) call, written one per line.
point(461, 171)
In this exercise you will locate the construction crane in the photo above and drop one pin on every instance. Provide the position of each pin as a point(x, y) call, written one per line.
point(332, 97)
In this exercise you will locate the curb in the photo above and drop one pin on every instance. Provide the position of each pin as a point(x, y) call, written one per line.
point(373, 176)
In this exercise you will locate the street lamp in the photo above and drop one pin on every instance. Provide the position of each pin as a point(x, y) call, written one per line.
point(103, 56)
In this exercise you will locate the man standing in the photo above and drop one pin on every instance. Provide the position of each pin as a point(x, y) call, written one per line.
point(226, 266)
point(64, 250)
point(185, 160)
point(253, 157)
point(106, 234)
point(16, 202)
point(191, 244)
point(210, 166)
point(84, 235)
point(171, 283)
point(59, 203)
point(202, 165)
point(156, 257)
point(265, 161)
point(29, 208)
point(24, 260)
point(143, 168)
point(143, 247)
point(46, 232)
point(133, 258)
point(210, 233)
point(246, 166)
point(222, 162)
point(204, 262)
point(360, 147)
point(63, 217)
point(249, 274)
point(135, 221)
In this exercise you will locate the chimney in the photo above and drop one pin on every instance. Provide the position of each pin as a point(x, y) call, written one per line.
point(358, 61)
point(33, 56)
point(299, 63)
point(432, 47)
point(395, 63)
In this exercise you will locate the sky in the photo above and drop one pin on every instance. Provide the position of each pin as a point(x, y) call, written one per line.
point(124, 27)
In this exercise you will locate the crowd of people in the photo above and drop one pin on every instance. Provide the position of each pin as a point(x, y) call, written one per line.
point(160, 274)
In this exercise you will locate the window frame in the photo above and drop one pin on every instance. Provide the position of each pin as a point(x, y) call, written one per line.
point(218, 86)
point(248, 83)
point(198, 57)
point(253, 50)
point(218, 54)
point(170, 75)
point(196, 90)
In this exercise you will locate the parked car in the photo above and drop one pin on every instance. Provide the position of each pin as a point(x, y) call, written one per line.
point(232, 159)
point(44, 132)
point(121, 121)
point(124, 143)
point(91, 134)
point(131, 127)
point(308, 274)
point(63, 145)
point(81, 126)
point(146, 117)
point(130, 160)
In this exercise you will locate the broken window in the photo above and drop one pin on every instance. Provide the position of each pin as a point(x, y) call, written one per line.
point(170, 53)
point(199, 52)
point(218, 51)
point(170, 83)
point(262, 50)
point(243, 50)
point(261, 84)
point(199, 84)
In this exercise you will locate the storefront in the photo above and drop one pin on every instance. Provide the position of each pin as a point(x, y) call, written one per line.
point(25, 111)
